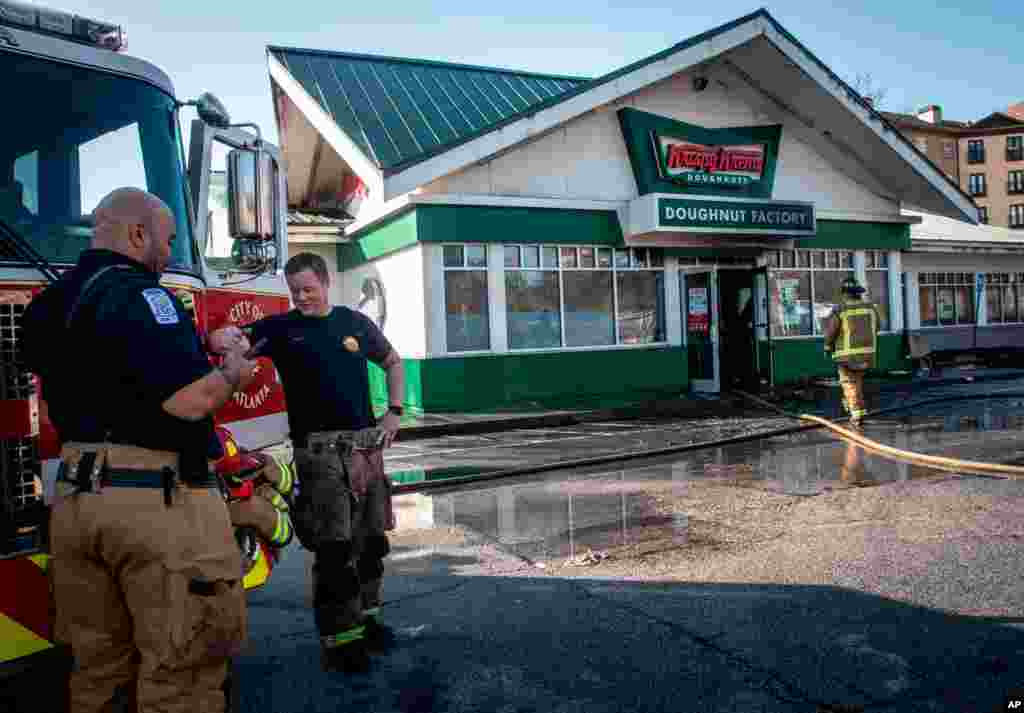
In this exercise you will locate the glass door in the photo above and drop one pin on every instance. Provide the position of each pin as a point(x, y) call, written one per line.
point(700, 323)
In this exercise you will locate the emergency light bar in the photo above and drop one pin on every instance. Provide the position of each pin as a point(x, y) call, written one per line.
point(62, 24)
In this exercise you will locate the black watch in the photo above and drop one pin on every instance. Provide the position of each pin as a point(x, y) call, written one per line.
point(397, 410)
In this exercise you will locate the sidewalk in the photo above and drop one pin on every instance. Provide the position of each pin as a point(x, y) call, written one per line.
point(686, 405)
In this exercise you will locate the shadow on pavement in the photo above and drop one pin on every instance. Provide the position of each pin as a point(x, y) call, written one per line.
point(483, 630)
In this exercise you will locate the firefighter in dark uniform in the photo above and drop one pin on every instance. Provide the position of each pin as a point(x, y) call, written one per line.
point(851, 336)
point(146, 570)
point(343, 507)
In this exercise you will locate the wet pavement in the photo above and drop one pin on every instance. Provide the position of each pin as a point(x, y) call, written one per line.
point(457, 456)
point(788, 574)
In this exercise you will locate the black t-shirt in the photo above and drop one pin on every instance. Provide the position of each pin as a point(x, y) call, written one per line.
point(132, 345)
point(322, 362)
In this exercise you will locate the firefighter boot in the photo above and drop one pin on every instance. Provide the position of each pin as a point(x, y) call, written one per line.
point(345, 652)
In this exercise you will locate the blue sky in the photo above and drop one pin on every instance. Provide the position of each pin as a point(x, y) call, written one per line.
point(957, 55)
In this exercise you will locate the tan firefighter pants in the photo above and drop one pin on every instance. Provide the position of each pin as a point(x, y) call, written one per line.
point(852, 383)
point(149, 596)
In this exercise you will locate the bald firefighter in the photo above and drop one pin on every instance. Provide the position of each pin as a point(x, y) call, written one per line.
point(852, 338)
point(146, 571)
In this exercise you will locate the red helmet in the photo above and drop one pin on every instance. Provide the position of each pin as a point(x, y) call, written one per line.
point(236, 463)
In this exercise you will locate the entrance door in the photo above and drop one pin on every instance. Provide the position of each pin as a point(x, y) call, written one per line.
point(700, 322)
point(737, 346)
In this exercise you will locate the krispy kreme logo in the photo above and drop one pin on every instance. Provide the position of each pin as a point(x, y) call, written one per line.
point(700, 164)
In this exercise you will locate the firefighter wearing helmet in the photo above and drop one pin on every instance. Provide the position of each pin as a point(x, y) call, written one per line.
point(852, 338)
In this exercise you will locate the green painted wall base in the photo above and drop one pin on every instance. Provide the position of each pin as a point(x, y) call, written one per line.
point(551, 380)
point(795, 359)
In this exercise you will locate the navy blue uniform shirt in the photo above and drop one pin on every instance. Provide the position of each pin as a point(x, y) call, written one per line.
point(323, 366)
point(132, 346)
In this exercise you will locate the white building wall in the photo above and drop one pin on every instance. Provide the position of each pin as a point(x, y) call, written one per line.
point(402, 276)
point(586, 159)
point(961, 262)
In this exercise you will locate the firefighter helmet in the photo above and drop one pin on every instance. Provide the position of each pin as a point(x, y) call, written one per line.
point(236, 463)
point(851, 287)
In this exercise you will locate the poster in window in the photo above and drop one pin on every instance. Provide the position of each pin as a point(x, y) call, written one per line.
point(947, 307)
point(789, 296)
point(697, 317)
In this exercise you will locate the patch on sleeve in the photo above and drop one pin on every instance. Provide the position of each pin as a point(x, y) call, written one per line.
point(160, 304)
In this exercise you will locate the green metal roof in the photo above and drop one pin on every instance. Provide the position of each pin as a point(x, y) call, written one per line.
point(400, 111)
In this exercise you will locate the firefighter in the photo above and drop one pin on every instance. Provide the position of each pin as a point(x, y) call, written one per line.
point(343, 507)
point(146, 569)
point(852, 338)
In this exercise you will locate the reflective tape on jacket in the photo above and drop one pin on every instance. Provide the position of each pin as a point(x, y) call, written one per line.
point(858, 332)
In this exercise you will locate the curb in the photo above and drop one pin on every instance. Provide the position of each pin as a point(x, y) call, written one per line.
point(668, 407)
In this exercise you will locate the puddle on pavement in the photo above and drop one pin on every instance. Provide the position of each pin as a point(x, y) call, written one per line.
point(580, 515)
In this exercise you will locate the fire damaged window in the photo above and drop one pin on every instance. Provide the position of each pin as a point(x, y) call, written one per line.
point(467, 319)
point(877, 265)
point(806, 289)
point(946, 298)
point(583, 296)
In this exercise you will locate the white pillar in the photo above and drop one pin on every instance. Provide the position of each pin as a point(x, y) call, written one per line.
point(673, 304)
point(895, 291)
point(437, 327)
point(980, 298)
point(496, 297)
point(914, 301)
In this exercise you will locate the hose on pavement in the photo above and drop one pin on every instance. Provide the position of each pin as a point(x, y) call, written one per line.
point(942, 463)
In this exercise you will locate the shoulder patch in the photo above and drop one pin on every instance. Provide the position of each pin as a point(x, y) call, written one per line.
point(160, 304)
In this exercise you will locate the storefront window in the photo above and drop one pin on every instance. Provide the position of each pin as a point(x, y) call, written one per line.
point(465, 291)
point(589, 308)
point(806, 290)
point(1003, 292)
point(533, 309)
point(878, 285)
point(946, 298)
point(791, 303)
point(641, 306)
point(570, 299)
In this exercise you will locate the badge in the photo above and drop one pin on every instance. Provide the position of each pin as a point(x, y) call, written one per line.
point(160, 304)
point(351, 343)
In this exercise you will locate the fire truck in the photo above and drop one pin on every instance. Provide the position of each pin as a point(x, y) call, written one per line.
point(80, 119)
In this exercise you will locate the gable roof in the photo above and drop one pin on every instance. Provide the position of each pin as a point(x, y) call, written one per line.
point(997, 120)
point(399, 111)
point(772, 68)
point(909, 120)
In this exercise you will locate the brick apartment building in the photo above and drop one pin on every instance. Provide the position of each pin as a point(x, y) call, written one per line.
point(985, 157)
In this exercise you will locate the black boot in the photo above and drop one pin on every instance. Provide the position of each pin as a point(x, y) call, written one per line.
point(351, 656)
point(379, 638)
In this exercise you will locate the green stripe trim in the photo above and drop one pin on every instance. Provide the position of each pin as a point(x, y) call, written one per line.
point(492, 224)
point(392, 234)
point(855, 235)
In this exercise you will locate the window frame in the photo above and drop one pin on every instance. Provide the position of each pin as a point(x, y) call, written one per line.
point(775, 262)
point(486, 269)
point(931, 280)
point(1003, 281)
point(983, 214)
point(983, 190)
point(1015, 153)
point(494, 272)
point(1015, 181)
point(1016, 210)
point(977, 155)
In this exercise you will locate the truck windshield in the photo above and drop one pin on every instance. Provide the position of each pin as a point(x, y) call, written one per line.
point(72, 136)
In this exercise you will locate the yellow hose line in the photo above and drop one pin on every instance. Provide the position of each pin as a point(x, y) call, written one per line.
point(952, 465)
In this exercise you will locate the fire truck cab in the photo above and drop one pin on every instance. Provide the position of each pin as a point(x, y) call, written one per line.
point(80, 119)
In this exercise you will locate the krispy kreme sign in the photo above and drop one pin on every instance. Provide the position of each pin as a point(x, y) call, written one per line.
point(693, 164)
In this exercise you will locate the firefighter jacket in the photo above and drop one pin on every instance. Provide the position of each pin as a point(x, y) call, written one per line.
point(852, 334)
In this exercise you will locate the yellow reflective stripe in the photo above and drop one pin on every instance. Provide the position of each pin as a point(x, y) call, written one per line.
point(259, 573)
point(17, 641)
point(855, 352)
point(283, 531)
point(43, 561)
point(331, 641)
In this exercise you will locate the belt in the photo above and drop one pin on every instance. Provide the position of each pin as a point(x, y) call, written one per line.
point(370, 437)
point(165, 479)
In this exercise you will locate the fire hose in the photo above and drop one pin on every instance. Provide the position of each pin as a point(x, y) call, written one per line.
point(941, 463)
